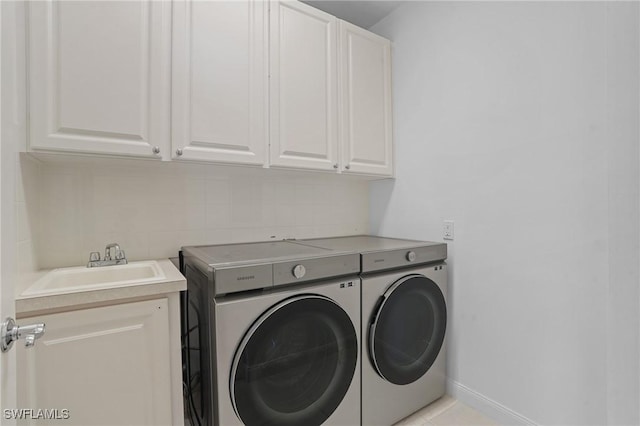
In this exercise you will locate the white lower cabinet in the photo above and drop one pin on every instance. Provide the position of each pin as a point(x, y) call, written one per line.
point(108, 365)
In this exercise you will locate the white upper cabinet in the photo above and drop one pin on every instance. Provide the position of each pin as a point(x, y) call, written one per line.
point(303, 95)
point(365, 96)
point(254, 82)
point(220, 81)
point(100, 77)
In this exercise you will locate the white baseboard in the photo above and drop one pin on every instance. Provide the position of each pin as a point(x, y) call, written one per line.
point(496, 411)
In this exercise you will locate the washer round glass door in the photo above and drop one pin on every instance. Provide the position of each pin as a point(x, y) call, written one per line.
point(295, 364)
point(408, 329)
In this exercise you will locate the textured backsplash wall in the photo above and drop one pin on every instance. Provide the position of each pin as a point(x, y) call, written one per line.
point(153, 209)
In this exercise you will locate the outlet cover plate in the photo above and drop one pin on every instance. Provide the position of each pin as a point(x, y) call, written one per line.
point(447, 230)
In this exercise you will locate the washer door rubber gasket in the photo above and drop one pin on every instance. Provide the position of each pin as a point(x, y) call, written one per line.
point(407, 329)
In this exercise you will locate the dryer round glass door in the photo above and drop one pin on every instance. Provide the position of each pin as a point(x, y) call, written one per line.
point(407, 330)
point(295, 364)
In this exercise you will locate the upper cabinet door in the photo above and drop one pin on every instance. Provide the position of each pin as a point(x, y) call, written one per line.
point(99, 76)
point(303, 91)
point(220, 81)
point(365, 94)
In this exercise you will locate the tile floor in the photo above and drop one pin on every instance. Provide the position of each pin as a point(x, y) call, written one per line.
point(444, 412)
point(447, 411)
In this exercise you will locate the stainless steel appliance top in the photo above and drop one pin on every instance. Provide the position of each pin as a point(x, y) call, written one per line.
point(253, 253)
point(233, 268)
point(379, 253)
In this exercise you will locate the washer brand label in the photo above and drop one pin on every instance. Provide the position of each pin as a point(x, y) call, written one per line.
point(378, 260)
point(245, 277)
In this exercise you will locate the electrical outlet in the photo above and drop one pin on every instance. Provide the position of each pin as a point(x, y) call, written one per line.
point(447, 230)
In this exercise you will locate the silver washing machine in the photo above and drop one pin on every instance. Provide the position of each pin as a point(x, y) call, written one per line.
point(271, 334)
point(404, 319)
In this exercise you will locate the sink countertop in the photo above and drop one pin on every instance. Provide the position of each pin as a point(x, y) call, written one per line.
point(27, 306)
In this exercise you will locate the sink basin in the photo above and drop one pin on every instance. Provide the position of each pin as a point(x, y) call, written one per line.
point(71, 280)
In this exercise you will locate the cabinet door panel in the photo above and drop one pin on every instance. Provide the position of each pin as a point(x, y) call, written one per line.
point(303, 87)
point(107, 365)
point(366, 101)
point(220, 81)
point(99, 76)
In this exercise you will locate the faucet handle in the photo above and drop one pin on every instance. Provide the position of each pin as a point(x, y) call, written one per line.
point(94, 256)
point(120, 255)
point(107, 250)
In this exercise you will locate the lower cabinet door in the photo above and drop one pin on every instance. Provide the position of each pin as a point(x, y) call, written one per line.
point(99, 366)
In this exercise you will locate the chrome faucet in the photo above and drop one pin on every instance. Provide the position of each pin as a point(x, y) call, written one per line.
point(119, 257)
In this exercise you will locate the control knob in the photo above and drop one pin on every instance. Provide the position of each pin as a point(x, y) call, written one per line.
point(299, 271)
point(411, 256)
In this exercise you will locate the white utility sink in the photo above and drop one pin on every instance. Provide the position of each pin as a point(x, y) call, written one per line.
point(81, 278)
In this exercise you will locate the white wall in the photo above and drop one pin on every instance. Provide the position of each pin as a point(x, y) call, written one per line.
point(623, 143)
point(153, 209)
point(519, 120)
